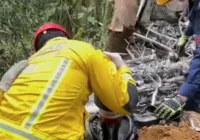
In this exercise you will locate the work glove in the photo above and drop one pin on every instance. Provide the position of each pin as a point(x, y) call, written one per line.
point(180, 47)
point(169, 108)
point(10, 76)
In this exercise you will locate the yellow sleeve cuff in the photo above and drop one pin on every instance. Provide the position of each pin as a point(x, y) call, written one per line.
point(125, 69)
point(126, 72)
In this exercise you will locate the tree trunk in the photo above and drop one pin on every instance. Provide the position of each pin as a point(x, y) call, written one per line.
point(122, 25)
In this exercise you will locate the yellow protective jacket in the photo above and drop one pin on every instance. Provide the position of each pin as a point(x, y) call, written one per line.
point(47, 99)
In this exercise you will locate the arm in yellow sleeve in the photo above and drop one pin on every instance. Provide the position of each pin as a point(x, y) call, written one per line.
point(115, 88)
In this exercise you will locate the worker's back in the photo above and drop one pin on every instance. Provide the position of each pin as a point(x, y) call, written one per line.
point(47, 99)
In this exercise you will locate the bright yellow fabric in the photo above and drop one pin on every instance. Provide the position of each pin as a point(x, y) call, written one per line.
point(162, 2)
point(1, 95)
point(11, 131)
point(108, 83)
point(49, 96)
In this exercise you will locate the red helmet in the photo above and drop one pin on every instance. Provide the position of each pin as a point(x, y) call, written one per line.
point(46, 27)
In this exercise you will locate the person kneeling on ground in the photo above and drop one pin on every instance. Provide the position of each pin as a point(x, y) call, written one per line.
point(47, 99)
point(188, 97)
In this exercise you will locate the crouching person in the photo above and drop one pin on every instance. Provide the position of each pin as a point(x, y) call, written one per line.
point(47, 99)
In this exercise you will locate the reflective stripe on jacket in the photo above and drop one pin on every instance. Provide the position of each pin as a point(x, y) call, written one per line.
point(49, 96)
point(10, 131)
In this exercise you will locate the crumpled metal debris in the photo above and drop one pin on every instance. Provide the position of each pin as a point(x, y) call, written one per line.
point(155, 63)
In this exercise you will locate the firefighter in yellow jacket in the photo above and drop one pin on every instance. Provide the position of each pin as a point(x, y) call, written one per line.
point(47, 99)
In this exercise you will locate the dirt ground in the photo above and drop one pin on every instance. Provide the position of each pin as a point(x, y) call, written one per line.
point(169, 132)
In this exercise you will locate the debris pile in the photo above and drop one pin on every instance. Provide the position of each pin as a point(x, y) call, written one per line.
point(157, 68)
point(159, 73)
point(169, 132)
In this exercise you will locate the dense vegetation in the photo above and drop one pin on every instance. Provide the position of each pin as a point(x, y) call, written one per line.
point(85, 19)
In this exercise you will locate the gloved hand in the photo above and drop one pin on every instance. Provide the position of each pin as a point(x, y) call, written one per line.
point(10, 76)
point(170, 107)
point(180, 47)
point(116, 58)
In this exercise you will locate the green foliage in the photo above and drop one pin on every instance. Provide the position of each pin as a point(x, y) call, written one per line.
point(84, 19)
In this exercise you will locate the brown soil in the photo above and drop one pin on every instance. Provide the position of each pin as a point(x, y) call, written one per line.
point(169, 132)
